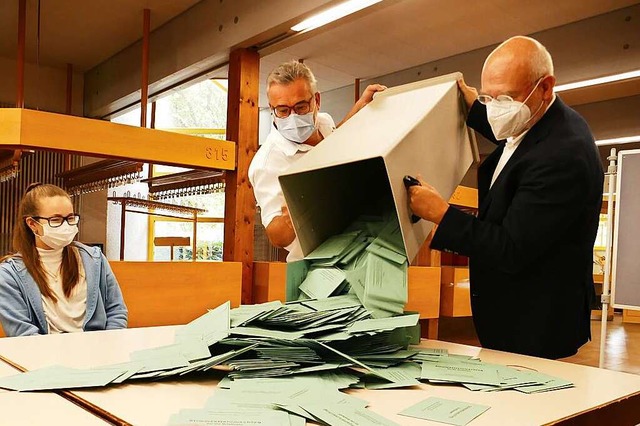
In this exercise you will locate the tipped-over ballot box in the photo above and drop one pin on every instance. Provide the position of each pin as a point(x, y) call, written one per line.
point(416, 128)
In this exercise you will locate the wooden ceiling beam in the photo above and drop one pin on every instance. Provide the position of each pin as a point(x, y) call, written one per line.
point(38, 130)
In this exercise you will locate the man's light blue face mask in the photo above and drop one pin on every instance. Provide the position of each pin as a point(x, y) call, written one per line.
point(296, 128)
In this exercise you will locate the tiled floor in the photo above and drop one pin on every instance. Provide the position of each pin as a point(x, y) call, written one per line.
point(622, 352)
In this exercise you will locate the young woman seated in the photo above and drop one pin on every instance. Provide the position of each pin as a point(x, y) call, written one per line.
point(52, 284)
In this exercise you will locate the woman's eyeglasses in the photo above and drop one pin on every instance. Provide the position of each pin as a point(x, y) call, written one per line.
point(57, 221)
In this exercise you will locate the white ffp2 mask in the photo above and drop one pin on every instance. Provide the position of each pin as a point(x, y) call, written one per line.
point(508, 118)
point(59, 237)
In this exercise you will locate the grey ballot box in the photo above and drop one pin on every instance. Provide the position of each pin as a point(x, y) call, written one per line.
point(416, 128)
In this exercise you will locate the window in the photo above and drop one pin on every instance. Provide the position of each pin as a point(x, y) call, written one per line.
point(200, 110)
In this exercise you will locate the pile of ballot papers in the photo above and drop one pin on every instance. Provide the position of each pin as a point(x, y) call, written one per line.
point(291, 361)
point(295, 380)
point(367, 260)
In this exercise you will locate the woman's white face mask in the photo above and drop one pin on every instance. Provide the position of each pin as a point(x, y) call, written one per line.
point(508, 117)
point(59, 237)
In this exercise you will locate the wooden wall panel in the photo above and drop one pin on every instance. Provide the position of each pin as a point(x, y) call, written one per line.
point(455, 293)
point(424, 291)
point(269, 281)
point(169, 293)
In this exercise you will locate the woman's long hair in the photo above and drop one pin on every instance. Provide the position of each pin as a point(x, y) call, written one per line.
point(24, 241)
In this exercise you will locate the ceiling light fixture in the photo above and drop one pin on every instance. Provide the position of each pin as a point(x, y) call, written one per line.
point(596, 81)
point(333, 14)
point(618, 141)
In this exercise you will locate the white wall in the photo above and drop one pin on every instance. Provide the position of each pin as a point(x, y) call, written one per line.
point(45, 88)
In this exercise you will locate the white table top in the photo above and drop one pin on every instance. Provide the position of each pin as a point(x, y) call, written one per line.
point(152, 403)
point(39, 408)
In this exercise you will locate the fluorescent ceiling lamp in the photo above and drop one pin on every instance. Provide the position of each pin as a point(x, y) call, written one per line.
point(596, 81)
point(617, 141)
point(333, 14)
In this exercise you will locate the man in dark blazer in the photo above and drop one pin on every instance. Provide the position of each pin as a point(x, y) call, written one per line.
point(531, 246)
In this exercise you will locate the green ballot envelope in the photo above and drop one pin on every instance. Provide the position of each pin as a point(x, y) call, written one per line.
point(416, 128)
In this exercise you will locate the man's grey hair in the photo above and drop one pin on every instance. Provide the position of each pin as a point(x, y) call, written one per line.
point(288, 72)
point(540, 61)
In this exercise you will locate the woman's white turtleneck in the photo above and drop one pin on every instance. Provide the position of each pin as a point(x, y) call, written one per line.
point(65, 315)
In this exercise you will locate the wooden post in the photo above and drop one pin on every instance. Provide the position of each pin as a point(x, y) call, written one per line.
point(356, 85)
point(194, 248)
point(152, 125)
point(22, 18)
point(242, 127)
point(144, 84)
point(69, 89)
point(123, 220)
point(67, 157)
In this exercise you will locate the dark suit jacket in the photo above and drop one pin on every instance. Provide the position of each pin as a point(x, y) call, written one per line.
point(531, 246)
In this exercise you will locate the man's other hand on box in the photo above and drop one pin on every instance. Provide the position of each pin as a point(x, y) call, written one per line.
point(426, 202)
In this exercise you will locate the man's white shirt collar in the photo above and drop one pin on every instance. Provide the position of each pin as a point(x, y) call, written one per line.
point(290, 148)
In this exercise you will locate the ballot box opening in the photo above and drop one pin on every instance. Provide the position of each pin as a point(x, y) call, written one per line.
point(323, 202)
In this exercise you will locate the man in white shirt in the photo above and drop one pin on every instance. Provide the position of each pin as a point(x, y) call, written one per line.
point(298, 126)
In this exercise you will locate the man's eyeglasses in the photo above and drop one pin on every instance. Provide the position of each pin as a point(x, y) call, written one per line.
point(487, 99)
point(301, 108)
point(57, 221)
